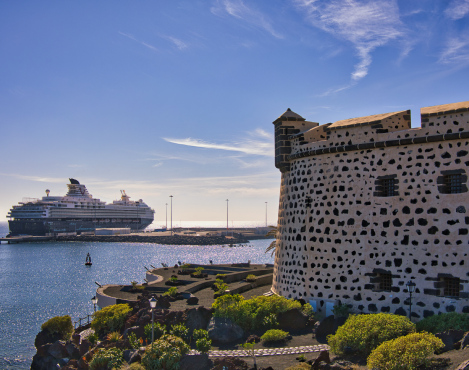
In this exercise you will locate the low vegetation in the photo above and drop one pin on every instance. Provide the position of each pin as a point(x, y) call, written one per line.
point(159, 330)
point(404, 353)
point(59, 325)
point(443, 322)
point(181, 331)
point(114, 337)
point(110, 318)
point(251, 278)
point(250, 313)
point(165, 353)
point(106, 359)
point(363, 333)
point(274, 335)
point(171, 292)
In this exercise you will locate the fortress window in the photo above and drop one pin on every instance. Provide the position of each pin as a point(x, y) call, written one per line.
point(386, 186)
point(451, 287)
point(452, 182)
point(385, 282)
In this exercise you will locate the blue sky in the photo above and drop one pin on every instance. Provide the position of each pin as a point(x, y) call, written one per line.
point(178, 97)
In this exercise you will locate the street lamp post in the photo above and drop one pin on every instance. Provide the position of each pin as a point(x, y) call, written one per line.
point(166, 216)
point(152, 305)
point(94, 300)
point(227, 217)
point(265, 214)
point(410, 288)
point(171, 214)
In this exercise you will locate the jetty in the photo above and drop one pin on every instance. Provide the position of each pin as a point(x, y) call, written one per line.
point(25, 239)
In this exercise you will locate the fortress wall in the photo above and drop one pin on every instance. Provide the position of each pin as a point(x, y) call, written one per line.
point(340, 248)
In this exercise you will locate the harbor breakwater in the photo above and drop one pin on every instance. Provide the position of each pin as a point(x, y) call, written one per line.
point(167, 240)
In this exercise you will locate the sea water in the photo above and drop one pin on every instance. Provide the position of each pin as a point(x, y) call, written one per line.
point(42, 280)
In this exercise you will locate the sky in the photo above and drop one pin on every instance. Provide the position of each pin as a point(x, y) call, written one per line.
point(168, 97)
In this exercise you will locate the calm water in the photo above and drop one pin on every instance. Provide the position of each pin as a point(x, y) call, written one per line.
point(42, 280)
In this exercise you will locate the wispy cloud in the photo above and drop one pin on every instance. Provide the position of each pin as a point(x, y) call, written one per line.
point(159, 164)
point(140, 42)
point(239, 10)
point(457, 9)
point(366, 24)
point(181, 45)
point(260, 144)
point(334, 90)
point(456, 50)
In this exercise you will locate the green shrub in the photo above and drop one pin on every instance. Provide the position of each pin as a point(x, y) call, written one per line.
point(341, 310)
point(251, 278)
point(404, 353)
point(180, 330)
point(172, 292)
point(106, 359)
point(134, 284)
point(308, 310)
point(133, 341)
point(270, 321)
point(363, 333)
point(93, 338)
point(443, 322)
point(203, 345)
point(59, 325)
point(173, 279)
point(274, 335)
point(220, 286)
point(199, 270)
point(114, 337)
point(159, 330)
point(220, 276)
point(250, 313)
point(110, 318)
point(185, 266)
point(199, 334)
point(165, 353)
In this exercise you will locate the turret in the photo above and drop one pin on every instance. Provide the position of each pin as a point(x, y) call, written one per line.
point(287, 124)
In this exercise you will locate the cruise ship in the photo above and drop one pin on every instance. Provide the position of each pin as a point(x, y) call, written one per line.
point(77, 212)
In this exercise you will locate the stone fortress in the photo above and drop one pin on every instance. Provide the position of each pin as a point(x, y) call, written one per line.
point(368, 204)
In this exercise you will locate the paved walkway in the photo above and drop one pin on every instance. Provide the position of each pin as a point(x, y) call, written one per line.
point(266, 351)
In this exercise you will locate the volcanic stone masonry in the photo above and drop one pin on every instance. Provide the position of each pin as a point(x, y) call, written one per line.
point(368, 204)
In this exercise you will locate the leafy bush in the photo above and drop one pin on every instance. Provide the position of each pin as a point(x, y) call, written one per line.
point(106, 359)
point(199, 270)
point(220, 276)
point(363, 333)
point(341, 310)
point(173, 279)
point(185, 266)
point(165, 353)
point(134, 284)
point(159, 330)
point(93, 338)
point(172, 292)
point(251, 278)
point(308, 310)
point(443, 322)
point(199, 334)
point(404, 353)
point(114, 337)
point(133, 341)
point(180, 330)
point(203, 345)
point(270, 321)
point(250, 313)
point(274, 335)
point(59, 325)
point(110, 318)
point(220, 286)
